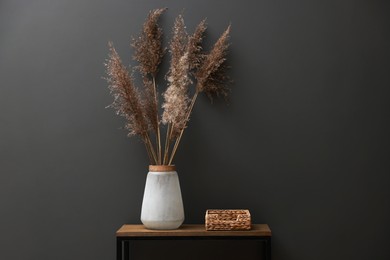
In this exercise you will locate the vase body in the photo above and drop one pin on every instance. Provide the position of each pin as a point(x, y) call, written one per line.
point(162, 205)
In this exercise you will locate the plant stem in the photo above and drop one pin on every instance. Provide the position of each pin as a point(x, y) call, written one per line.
point(150, 147)
point(148, 151)
point(167, 143)
point(182, 130)
point(158, 137)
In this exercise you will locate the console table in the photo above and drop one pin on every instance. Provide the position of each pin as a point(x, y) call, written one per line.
point(127, 233)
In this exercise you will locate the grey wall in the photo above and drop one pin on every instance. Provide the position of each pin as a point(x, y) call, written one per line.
point(304, 142)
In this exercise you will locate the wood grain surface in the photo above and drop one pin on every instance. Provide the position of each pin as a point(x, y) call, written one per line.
point(190, 231)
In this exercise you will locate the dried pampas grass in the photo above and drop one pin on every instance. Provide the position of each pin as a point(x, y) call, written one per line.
point(176, 96)
point(211, 75)
point(189, 66)
point(148, 45)
point(127, 99)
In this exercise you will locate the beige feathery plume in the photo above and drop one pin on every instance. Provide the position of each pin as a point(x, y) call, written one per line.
point(176, 96)
point(148, 46)
point(194, 46)
point(186, 55)
point(211, 75)
point(149, 53)
point(127, 101)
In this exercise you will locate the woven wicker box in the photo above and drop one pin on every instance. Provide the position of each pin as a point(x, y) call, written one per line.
point(228, 219)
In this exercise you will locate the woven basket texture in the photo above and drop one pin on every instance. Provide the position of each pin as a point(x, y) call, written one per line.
point(228, 219)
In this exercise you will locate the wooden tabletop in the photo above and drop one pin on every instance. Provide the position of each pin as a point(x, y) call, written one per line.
point(194, 230)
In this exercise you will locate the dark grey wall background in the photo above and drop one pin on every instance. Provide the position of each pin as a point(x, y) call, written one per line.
point(304, 143)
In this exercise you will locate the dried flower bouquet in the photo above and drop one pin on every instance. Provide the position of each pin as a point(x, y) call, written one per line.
point(189, 67)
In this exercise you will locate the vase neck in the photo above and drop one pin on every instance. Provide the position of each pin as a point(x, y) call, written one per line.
point(162, 168)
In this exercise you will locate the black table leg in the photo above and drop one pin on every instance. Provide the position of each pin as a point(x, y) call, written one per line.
point(119, 251)
point(268, 248)
point(126, 249)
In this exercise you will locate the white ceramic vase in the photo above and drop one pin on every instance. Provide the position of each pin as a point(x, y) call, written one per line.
point(162, 205)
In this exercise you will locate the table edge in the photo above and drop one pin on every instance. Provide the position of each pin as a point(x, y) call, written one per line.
point(265, 232)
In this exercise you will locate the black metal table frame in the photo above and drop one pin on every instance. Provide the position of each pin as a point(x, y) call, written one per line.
point(123, 243)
